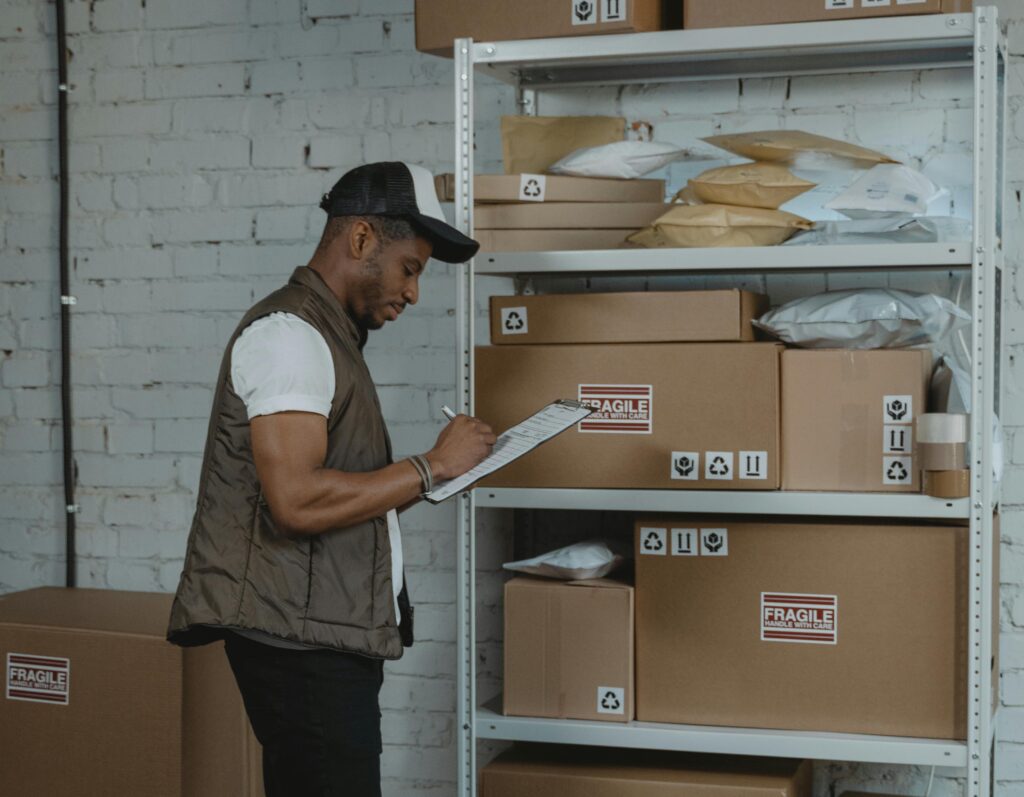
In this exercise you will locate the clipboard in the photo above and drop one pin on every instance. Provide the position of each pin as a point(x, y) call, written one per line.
point(511, 444)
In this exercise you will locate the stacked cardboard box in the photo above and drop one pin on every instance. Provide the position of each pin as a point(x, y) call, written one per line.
point(731, 13)
point(98, 702)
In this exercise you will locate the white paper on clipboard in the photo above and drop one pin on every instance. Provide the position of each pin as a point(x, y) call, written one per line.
point(513, 443)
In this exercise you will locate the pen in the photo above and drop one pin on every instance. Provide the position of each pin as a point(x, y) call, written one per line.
point(449, 413)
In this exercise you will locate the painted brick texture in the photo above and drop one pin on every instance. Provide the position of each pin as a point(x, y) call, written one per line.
point(202, 137)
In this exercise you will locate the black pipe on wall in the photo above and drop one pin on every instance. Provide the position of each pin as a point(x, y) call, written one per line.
point(66, 301)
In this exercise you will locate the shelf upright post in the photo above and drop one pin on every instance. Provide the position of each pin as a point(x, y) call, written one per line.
point(985, 284)
point(465, 510)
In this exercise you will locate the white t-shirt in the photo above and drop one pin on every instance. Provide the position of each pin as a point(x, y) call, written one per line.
point(281, 363)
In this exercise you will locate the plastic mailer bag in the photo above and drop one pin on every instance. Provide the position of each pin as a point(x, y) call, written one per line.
point(919, 230)
point(591, 559)
point(756, 185)
point(888, 190)
point(719, 225)
point(873, 318)
point(623, 159)
point(787, 146)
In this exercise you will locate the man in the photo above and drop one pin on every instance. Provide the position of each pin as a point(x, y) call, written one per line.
point(294, 557)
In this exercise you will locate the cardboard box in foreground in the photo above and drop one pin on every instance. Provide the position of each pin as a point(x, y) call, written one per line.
point(562, 771)
point(539, 188)
point(637, 317)
point(688, 416)
point(732, 13)
point(848, 419)
point(440, 22)
point(837, 627)
point(569, 649)
point(96, 701)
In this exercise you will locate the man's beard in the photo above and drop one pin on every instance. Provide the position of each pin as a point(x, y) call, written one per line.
point(371, 292)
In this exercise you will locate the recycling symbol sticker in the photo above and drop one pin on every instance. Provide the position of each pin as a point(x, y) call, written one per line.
point(898, 409)
point(611, 700)
point(514, 321)
point(718, 465)
point(714, 542)
point(652, 542)
point(584, 12)
point(896, 470)
point(532, 187)
point(685, 465)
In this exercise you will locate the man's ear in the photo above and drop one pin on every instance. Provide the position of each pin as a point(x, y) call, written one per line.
point(362, 239)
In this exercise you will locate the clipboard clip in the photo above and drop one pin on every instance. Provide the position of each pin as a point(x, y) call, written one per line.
point(572, 404)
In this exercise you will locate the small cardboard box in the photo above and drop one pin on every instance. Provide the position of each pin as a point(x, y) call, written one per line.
point(563, 771)
point(848, 419)
point(639, 317)
point(686, 416)
point(732, 13)
point(568, 216)
point(540, 188)
point(839, 627)
point(569, 649)
point(440, 22)
point(96, 701)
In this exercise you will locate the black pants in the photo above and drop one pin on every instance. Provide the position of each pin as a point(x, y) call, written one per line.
point(317, 715)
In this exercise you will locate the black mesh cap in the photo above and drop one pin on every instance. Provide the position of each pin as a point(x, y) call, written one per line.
point(403, 190)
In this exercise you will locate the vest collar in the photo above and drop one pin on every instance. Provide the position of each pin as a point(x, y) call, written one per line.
point(304, 275)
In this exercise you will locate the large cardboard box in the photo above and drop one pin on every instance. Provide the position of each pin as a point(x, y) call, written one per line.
point(671, 415)
point(440, 22)
point(838, 626)
point(562, 771)
point(540, 188)
point(569, 649)
point(567, 216)
point(96, 701)
point(731, 13)
point(638, 317)
point(848, 419)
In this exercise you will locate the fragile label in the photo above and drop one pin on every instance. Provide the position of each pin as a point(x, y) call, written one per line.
point(532, 187)
point(514, 321)
point(897, 439)
point(618, 409)
point(684, 542)
point(38, 679)
point(685, 465)
point(838, 5)
point(652, 541)
point(611, 700)
point(718, 465)
point(898, 409)
point(613, 10)
point(584, 12)
point(897, 470)
point(753, 464)
point(791, 617)
point(714, 542)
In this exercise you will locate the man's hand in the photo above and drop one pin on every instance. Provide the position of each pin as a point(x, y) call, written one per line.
point(464, 442)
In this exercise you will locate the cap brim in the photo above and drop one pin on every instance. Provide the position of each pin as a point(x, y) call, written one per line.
point(450, 245)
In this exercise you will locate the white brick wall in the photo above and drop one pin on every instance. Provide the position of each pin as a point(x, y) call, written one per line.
point(203, 135)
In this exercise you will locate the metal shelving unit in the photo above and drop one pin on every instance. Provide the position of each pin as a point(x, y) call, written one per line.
point(894, 43)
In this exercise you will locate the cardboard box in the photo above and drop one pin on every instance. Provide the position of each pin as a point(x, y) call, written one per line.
point(673, 415)
point(848, 419)
point(562, 771)
point(568, 216)
point(731, 13)
point(98, 702)
point(440, 22)
point(837, 627)
point(539, 188)
point(569, 649)
point(639, 317)
point(549, 240)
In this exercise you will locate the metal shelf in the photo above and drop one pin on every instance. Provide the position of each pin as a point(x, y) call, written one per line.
point(733, 502)
point(490, 724)
point(777, 258)
point(840, 46)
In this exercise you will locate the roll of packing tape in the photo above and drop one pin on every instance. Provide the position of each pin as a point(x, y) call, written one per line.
point(942, 456)
point(942, 427)
point(947, 483)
